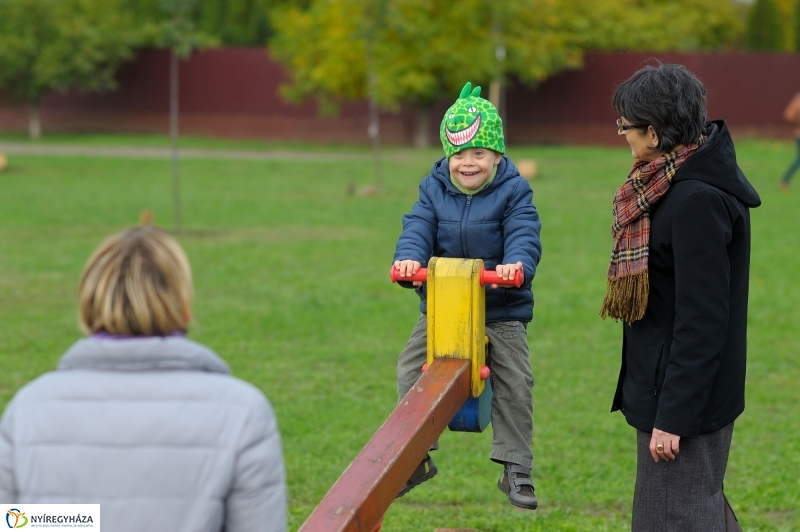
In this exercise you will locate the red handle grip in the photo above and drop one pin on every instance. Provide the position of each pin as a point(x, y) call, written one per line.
point(491, 277)
point(487, 277)
point(421, 275)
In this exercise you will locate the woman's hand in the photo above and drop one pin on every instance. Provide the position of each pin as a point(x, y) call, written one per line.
point(508, 271)
point(664, 445)
point(407, 268)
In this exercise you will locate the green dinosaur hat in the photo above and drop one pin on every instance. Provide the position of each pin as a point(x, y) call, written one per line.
point(471, 122)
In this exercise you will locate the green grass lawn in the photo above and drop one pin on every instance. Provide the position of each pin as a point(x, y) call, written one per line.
point(292, 289)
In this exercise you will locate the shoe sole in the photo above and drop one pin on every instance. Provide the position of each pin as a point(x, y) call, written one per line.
point(515, 503)
point(429, 475)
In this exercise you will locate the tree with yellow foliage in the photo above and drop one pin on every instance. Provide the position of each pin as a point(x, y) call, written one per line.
point(418, 50)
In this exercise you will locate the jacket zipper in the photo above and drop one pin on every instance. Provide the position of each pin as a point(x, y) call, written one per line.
point(658, 370)
point(464, 217)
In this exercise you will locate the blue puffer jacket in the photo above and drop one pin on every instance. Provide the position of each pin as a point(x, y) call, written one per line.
point(499, 225)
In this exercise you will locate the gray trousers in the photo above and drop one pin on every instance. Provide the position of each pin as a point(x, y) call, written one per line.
point(685, 494)
point(512, 381)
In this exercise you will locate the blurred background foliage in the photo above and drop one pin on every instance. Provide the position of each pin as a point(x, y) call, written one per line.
point(393, 51)
point(426, 48)
point(232, 22)
point(50, 45)
point(774, 26)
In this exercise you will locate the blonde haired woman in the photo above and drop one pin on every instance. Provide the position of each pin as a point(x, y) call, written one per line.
point(139, 419)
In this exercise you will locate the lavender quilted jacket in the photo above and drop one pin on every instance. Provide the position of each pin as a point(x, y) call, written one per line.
point(155, 430)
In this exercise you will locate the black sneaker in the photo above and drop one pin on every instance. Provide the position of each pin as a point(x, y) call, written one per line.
point(426, 470)
point(518, 486)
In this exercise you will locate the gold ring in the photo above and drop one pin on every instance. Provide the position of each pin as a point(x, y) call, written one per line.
point(660, 448)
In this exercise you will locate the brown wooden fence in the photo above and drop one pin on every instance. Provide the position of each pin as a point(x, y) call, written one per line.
point(233, 92)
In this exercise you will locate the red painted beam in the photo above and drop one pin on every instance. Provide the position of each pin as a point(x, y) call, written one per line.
point(358, 500)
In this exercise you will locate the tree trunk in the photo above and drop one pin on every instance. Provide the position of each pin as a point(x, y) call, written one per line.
point(498, 97)
point(34, 121)
point(422, 138)
point(173, 136)
point(374, 130)
point(497, 93)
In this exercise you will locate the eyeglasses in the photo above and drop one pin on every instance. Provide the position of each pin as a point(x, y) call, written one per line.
point(625, 127)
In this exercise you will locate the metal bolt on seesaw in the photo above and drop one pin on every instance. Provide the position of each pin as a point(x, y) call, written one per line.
point(454, 391)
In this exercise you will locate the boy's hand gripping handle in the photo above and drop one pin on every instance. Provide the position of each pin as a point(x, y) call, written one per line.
point(487, 277)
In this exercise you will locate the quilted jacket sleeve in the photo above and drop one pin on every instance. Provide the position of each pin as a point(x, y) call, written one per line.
point(8, 490)
point(521, 227)
point(418, 238)
point(258, 498)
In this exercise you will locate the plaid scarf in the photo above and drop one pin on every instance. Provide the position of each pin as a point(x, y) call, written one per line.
point(628, 282)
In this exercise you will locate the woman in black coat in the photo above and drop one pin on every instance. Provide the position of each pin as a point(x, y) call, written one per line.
point(678, 279)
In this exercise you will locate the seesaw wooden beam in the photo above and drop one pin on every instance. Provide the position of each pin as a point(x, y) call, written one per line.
point(363, 493)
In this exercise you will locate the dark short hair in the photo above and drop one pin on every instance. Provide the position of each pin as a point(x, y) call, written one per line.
point(667, 97)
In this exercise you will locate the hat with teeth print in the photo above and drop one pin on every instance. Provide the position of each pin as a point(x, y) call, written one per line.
point(471, 122)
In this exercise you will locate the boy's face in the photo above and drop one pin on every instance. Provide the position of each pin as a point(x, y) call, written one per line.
point(473, 167)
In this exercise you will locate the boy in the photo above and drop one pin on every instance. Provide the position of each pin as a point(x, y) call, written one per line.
point(474, 204)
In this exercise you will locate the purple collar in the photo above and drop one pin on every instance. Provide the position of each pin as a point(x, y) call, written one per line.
point(108, 336)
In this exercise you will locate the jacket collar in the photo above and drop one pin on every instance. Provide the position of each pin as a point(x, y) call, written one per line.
point(146, 353)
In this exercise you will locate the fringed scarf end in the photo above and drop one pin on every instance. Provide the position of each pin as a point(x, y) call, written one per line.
point(626, 297)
